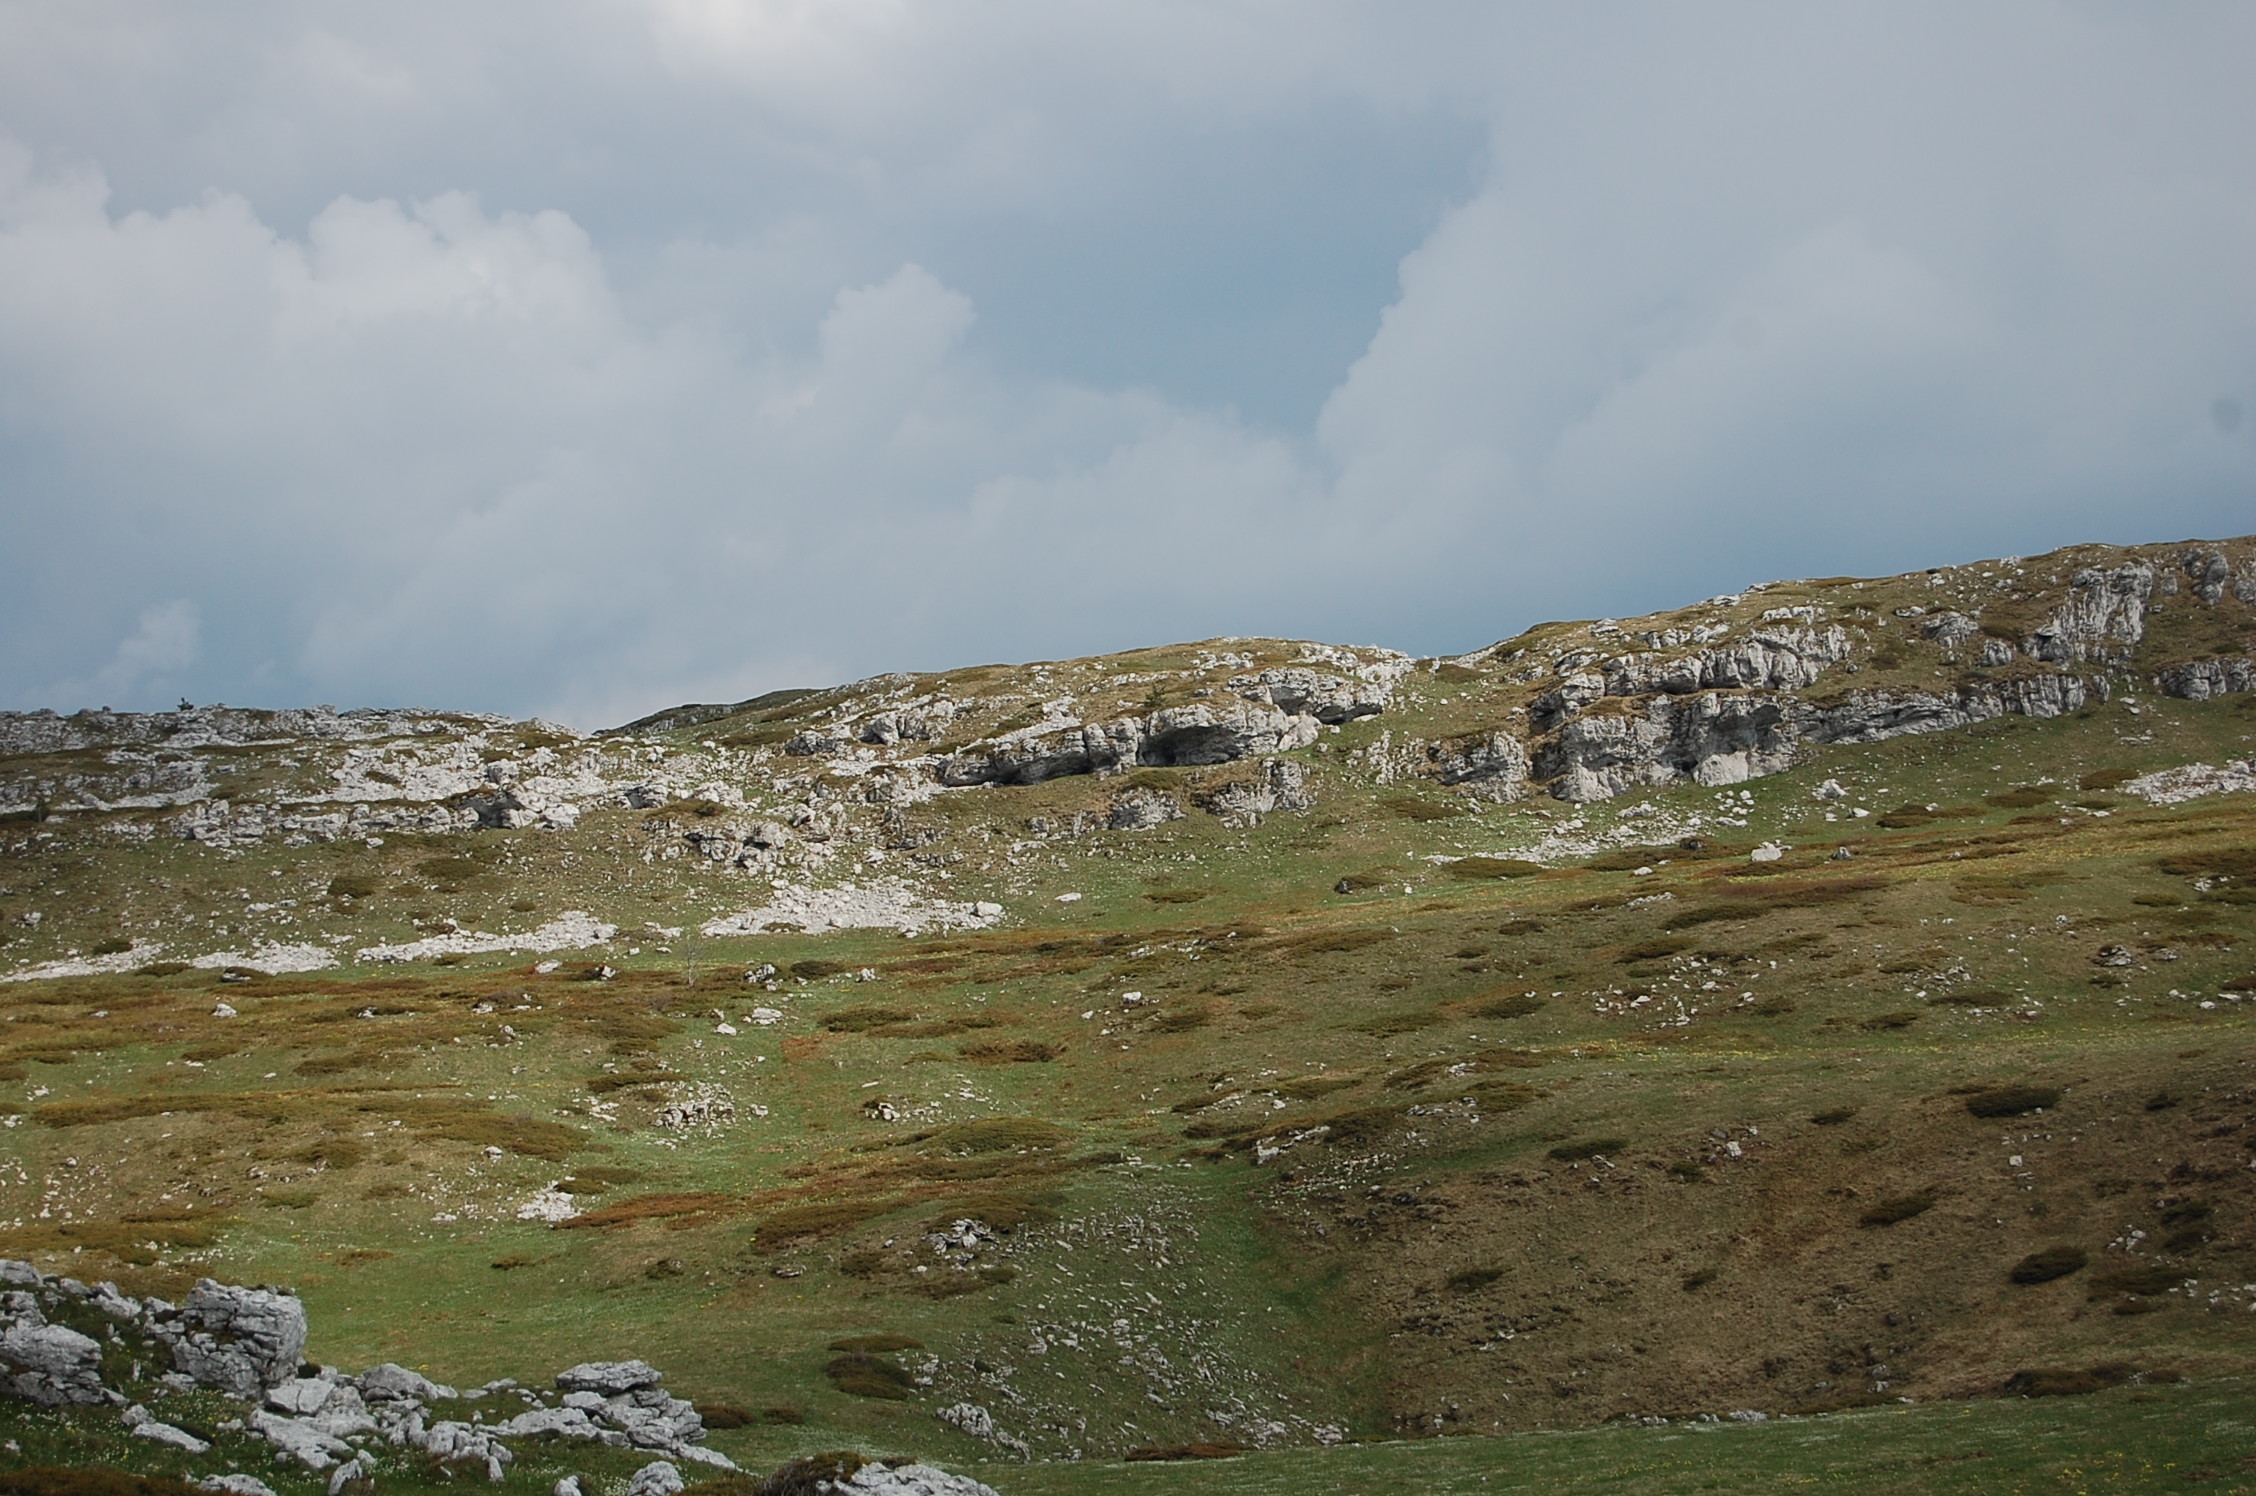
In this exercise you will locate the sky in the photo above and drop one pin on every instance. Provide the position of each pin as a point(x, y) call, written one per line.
point(576, 358)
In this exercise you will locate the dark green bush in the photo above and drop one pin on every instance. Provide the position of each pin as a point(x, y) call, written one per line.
point(1575, 1152)
point(2060, 1381)
point(2012, 1101)
point(863, 1374)
point(1493, 867)
point(50, 1480)
point(1898, 1208)
point(2051, 1263)
point(1517, 1005)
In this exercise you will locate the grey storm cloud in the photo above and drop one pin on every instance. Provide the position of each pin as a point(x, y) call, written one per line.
point(580, 358)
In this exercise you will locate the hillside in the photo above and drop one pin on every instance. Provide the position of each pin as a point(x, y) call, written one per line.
point(1805, 1000)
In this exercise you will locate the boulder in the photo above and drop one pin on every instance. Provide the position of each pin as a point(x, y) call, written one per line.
point(392, 1382)
point(658, 1478)
point(235, 1484)
point(51, 1365)
point(240, 1340)
point(300, 1395)
point(146, 1425)
point(609, 1378)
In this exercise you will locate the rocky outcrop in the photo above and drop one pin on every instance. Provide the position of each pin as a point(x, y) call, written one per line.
point(2203, 679)
point(1281, 784)
point(2104, 618)
point(1300, 692)
point(1184, 736)
point(1776, 659)
point(1493, 764)
point(1276, 711)
point(1139, 809)
point(1718, 738)
point(245, 1343)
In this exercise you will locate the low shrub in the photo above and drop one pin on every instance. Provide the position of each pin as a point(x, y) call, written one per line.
point(52, 1480)
point(2106, 779)
point(1012, 1052)
point(659, 1207)
point(2027, 797)
point(1309, 1087)
point(1192, 1451)
point(798, 1223)
point(1888, 1022)
point(2145, 1281)
point(1005, 1213)
point(1517, 1005)
point(2212, 862)
point(1364, 882)
point(533, 1137)
point(1326, 942)
point(862, 1374)
point(1898, 1208)
point(812, 971)
point(1387, 1025)
point(1575, 1152)
point(1415, 808)
point(1179, 895)
point(2012, 1101)
point(1833, 1116)
point(2044, 1266)
point(2060, 1381)
point(998, 1135)
point(353, 886)
point(862, 1019)
point(627, 1080)
point(725, 1415)
point(1493, 867)
point(1973, 997)
point(1183, 1020)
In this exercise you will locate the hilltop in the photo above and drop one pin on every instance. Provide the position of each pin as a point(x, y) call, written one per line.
point(1803, 1000)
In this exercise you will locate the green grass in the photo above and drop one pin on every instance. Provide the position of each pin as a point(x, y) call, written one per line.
point(1438, 1138)
point(2169, 1439)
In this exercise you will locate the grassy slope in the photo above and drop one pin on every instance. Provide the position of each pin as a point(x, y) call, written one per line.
point(1424, 1266)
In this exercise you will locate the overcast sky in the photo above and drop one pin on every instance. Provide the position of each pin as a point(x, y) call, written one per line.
point(578, 357)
